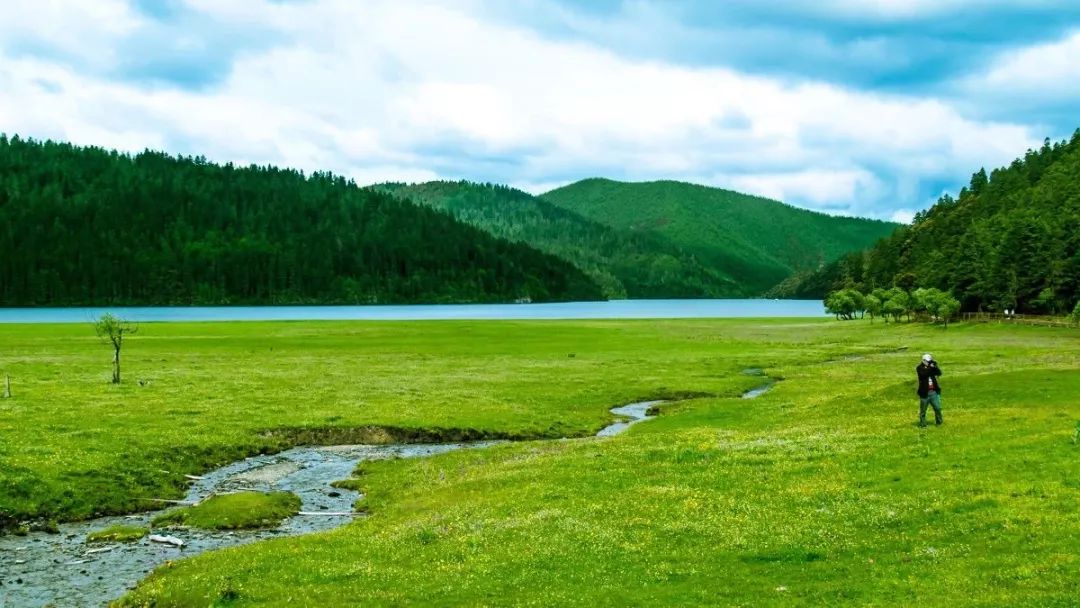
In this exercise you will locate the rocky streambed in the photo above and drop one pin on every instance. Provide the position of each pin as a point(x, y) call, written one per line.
point(63, 569)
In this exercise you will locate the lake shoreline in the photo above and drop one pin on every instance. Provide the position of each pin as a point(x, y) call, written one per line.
point(612, 309)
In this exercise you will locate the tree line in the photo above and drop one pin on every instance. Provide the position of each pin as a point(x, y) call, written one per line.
point(1009, 241)
point(624, 263)
point(88, 226)
point(894, 303)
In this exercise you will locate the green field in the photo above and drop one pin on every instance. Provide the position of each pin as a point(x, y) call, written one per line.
point(820, 492)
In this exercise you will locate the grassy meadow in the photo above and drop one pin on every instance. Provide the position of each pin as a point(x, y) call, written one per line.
point(201, 395)
point(822, 491)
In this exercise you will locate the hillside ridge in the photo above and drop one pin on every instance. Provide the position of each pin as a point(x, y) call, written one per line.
point(624, 263)
point(758, 241)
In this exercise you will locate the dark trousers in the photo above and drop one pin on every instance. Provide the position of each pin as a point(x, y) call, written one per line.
point(933, 399)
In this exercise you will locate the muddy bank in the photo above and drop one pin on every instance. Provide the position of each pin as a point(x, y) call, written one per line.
point(64, 570)
point(387, 435)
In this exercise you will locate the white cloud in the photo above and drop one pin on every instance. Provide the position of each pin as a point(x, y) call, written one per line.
point(392, 173)
point(903, 216)
point(1044, 70)
point(72, 28)
point(411, 91)
point(818, 187)
point(537, 187)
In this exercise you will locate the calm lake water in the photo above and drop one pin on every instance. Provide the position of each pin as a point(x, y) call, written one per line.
point(618, 309)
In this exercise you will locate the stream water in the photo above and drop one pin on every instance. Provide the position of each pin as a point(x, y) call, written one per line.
point(760, 390)
point(634, 413)
point(64, 570)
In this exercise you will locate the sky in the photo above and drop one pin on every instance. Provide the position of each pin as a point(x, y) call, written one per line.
point(856, 107)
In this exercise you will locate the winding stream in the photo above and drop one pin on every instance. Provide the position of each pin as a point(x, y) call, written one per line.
point(64, 570)
point(760, 390)
point(635, 413)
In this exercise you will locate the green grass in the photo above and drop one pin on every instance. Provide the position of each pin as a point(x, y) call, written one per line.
point(237, 511)
point(72, 445)
point(820, 492)
point(118, 534)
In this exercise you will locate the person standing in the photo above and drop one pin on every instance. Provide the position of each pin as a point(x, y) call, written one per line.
point(929, 389)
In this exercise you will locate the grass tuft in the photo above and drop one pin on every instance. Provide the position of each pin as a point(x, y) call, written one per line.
point(242, 510)
point(118, 534)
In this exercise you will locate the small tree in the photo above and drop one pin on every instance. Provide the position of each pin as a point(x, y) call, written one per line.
point(1075, 316)
point(941, 305)
point(882, 297)
point(859, 300)
point(897, 304)
point(873, 307)
point(923, 300)
point(112, 330)
point(840, 304)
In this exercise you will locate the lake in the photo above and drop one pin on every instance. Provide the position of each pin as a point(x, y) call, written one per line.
point(616, 309)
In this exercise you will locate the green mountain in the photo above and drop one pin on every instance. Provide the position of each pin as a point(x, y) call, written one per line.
point(624, 263)
point(757, 241)
point(86, 226)
point(1011, 239)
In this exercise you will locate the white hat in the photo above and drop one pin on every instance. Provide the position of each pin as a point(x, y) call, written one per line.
point(927, 357)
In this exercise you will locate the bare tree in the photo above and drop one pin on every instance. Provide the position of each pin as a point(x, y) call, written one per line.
point(112, 330)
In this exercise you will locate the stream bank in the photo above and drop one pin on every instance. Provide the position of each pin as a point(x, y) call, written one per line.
point(64, 570)
point(767, 383)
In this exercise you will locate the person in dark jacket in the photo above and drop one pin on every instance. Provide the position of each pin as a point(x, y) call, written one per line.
point(929, 388)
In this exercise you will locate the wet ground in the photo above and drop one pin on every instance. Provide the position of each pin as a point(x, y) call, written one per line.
point(760, 390)
point(64, 570)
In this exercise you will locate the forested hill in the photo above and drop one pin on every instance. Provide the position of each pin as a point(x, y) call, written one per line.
point(624, 263)
point(1011, 239)
point(86, 226)
point(757, 241)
